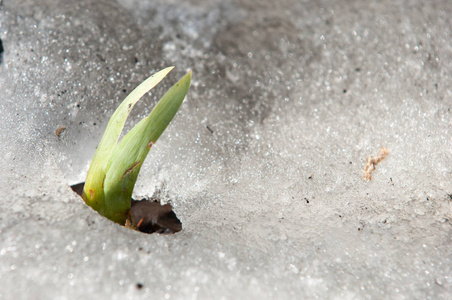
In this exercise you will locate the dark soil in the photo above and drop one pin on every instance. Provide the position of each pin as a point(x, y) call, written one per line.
point(147, 216)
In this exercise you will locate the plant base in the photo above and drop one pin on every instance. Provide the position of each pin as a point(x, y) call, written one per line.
point(147, 216)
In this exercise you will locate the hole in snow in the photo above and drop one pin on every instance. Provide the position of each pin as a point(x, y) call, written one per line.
point(147, 216)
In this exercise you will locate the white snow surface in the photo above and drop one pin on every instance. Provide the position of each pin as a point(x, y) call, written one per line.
point(262, 164)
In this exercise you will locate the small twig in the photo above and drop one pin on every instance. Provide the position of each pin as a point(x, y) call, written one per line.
point(139, 223)
point(373, 161)
point(59, 130)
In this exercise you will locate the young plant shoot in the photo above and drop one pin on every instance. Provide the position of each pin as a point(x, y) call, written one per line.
point(114, 170)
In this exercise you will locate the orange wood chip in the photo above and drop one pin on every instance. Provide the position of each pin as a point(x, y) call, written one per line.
point(373, 161)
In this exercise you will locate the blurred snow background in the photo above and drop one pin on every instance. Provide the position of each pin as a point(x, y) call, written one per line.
point(262, 163)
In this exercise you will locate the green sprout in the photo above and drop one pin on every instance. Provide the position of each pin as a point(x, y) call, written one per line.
point(114, 170)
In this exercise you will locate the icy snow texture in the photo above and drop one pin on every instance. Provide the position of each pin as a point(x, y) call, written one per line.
point(262, 163)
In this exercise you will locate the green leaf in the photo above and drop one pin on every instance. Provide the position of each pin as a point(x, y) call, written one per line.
point(120, 172)
point(93, 193)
